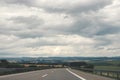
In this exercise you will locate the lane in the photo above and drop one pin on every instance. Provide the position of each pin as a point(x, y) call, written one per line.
point(54, 74)
point(34, 75)
point(51, 74)
point(61, 74)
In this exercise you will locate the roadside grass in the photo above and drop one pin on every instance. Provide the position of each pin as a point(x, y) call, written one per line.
point(107, 67)
point(105, 63)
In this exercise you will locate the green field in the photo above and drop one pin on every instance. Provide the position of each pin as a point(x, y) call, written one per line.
point(107, 67)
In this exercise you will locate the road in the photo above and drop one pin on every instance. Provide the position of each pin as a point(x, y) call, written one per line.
point(54, 74)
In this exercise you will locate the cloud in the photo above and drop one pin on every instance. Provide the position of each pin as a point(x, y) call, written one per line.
point(59, 28)
point(25, 2)
point(29, 22)
point(109, 30)
point(63, 5)
point(73, 7)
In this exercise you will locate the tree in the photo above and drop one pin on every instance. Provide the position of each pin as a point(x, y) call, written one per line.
point(4, 61)
point(77, 64)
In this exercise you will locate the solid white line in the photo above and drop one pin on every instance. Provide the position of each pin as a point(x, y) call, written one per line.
point(45, 75)
point(76, 75)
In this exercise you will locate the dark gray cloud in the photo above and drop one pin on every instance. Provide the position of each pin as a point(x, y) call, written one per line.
point(63, 6)
point(92, 5)
point(108, 30)
point(20, 2)
point(84, 25)
point(24, 27)
point(30, 22)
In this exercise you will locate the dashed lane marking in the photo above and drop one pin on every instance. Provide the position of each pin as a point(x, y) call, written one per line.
point(45, 75)
point(52, 71)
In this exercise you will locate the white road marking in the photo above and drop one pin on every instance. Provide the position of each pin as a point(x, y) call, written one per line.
point(45, 75)
point(76, 75)
point(52, 71)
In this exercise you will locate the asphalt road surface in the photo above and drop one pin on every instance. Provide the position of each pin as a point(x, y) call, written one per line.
point(54, 74)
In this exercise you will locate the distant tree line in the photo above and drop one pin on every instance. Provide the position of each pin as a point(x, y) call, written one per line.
point(5, 64)
point(81, 65)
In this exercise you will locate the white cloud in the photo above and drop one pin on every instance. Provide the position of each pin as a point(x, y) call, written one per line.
point(59, 28)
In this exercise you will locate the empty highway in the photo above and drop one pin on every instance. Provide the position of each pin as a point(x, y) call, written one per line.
point(54, 74)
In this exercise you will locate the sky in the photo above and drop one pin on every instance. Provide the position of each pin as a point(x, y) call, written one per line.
point(62, 28)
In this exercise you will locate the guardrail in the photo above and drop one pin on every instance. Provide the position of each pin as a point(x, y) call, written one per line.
point(107, 73)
